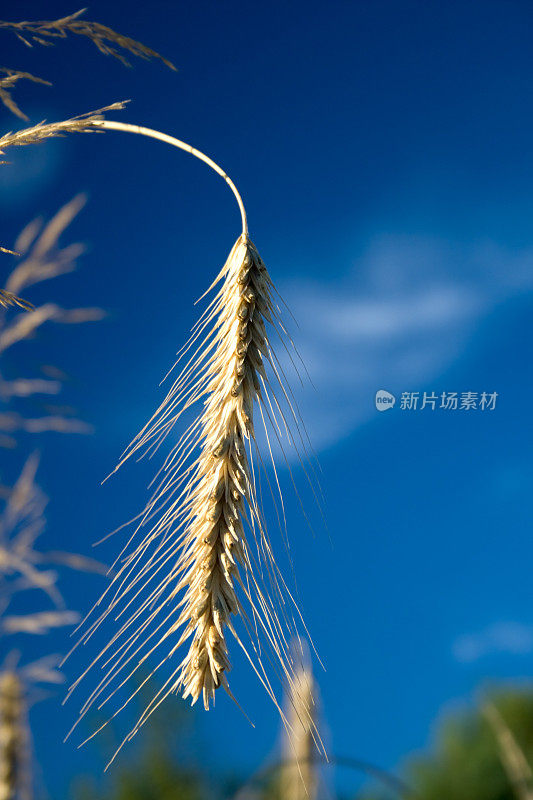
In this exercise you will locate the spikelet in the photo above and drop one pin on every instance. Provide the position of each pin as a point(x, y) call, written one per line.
point(12, 76)
point(206, 558)
point(13, 737)
point(215, 544)
point(83, 123)
point(8, 300)
point(46, 32)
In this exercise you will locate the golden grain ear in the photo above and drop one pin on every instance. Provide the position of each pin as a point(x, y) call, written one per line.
point(214, 561)
point(200, 568)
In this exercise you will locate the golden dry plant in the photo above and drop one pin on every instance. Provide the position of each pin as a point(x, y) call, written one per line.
point(298, 774)
point(9, 81)
point(14, 744)
point(83, 123)
point(41, 258)
point(24, 568)
point(47, 32)
point(303, 748)
point(200, 565)
point(20, 688)
point(10, 300)
point(204, 566)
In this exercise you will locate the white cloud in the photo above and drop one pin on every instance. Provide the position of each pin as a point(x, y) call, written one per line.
point(397, 321)
point(502, 637)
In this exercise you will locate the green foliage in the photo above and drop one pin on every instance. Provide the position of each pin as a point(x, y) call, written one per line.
point(466, 762)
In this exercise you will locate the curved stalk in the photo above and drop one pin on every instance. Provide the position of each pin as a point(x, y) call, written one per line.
point(163, 137)
point(204, 560)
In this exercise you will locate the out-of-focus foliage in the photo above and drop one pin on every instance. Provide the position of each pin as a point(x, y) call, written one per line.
point(42, 259)
point(30, 599)
point(467, 762)
point(160, 765)
point(24, 568)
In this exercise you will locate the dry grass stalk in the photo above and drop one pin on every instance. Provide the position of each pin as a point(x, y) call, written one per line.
point(12, 423)
point(24, 326)
point(206, 559)
point(13, 737)
point(41, 258)
point(40, 623)
point(7, 83)
point(47, 31)
point(21, 524)
point(27, 387)
point(84, 123)
point(512, 756)
point(43, 130)
point(10, 300)
point(22, 568)
point(20, 688)
point(22, 565)
point(303, 749)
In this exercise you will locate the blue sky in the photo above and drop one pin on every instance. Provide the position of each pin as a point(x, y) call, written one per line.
point(383, 150)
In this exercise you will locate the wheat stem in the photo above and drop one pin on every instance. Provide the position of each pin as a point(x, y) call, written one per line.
point(164, 137)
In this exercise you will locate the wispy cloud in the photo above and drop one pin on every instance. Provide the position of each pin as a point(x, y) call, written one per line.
point(513, 638)
point(397, 320)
